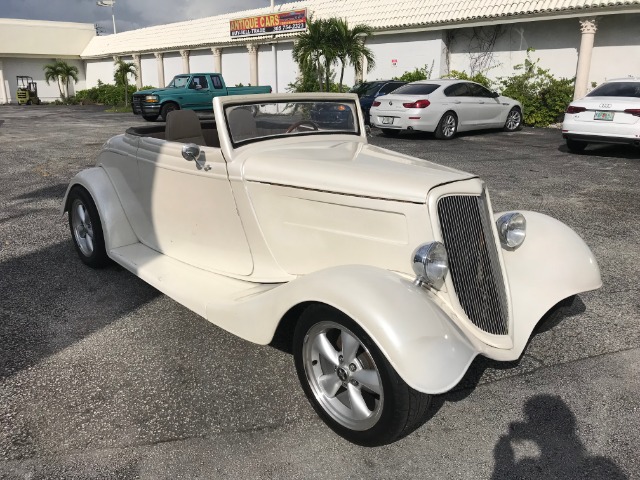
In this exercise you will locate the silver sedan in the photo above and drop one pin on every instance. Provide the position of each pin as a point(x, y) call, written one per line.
point(445, 107)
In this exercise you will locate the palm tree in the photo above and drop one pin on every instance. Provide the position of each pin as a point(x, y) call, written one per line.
point(314, 49)
point(53, 71)
point(121, 76)
point(67, 72)
point(61, 72)
point(349, 45)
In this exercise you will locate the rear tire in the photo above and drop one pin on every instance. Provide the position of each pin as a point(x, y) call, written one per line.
point(350, 383)
point(390, 132)
point(150, 118)
point(514, 120)
point(576, 146)
point(166, 108)
point(86, 228)
point(447, 126)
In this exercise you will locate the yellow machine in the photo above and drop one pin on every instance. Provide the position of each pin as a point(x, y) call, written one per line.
point(27, 92)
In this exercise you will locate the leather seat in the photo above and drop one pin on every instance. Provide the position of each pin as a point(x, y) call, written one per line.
point(184, 126)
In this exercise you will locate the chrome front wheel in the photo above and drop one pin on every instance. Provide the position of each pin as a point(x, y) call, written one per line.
point(350, 383)
point(81, 227)
point(86, 228)
point(342, 375)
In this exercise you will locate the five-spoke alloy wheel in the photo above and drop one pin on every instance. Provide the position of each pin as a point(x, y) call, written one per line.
point(86, 229)
point(350, 383)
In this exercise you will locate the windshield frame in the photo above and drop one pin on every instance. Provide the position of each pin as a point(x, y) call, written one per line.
point(357, 132)
point(185, 76)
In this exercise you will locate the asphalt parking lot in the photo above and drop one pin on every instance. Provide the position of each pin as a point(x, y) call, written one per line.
point(101, 376)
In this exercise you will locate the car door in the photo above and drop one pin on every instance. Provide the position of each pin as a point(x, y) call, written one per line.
point(189, 213)
point(460, 100)
point(491, 111)
point(198, 96)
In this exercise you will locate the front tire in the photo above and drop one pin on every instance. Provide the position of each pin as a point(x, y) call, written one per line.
point(86, 228)
point(350, 383)
point(514, 120)
point(166, 108)
point(447, 126)
point(576, 146)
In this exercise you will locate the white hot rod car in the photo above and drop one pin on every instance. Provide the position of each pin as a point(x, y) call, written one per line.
point(388, 274)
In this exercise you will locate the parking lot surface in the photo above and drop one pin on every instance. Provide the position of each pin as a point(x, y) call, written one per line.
point(101, 376)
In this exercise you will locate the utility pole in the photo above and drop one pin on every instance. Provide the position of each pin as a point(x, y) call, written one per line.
point(109, 3)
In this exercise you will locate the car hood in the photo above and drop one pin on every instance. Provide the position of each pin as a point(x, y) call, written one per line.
point(351, 168)
point(156, 91)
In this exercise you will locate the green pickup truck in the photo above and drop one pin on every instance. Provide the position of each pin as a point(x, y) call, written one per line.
point(194, 91)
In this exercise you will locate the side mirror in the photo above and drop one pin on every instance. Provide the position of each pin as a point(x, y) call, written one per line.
point(190, 152)
point(495, 94)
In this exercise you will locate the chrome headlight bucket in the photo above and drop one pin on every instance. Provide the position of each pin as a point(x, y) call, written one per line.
point(512, 230)
point(430, 264)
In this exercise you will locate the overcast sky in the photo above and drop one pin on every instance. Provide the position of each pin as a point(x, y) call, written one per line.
point(130, 14)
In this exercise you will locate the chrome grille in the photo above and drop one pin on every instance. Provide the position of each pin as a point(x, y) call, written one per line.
point(465, 221)
point(136, 104)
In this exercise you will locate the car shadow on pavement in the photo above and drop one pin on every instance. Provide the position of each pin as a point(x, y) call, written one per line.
point(608, 151)
point(549, 432)
point(50, 300)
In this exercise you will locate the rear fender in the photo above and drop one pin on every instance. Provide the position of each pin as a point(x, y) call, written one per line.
point(408, 324)
point(115, 225)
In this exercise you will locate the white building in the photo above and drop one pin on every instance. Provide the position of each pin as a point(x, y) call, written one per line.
point(591, 39)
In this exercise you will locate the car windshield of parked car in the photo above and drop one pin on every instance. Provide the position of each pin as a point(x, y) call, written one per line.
point(372, 89)
point(417, 89)
point(250, 122)
point(617, 89)
point(179, 81)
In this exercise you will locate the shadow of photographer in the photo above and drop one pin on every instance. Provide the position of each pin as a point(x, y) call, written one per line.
point(550, 431)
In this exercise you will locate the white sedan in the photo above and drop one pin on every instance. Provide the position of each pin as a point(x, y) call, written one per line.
point(445, 107)
point(609, 114)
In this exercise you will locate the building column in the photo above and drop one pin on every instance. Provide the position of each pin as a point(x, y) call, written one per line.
point(3, 93)
point(160, 65)
point(253, 63)
point(185, 61)
point(588, 27)
point(217, 59)
point(138, 64)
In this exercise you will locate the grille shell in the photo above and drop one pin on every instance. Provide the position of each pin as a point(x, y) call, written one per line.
point(465, 222)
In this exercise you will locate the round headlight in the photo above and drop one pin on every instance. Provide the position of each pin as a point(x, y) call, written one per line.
point(512, 229)
point(430, 263)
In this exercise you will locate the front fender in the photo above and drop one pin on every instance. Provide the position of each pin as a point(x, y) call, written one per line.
point(552, 264)
point(406, 322)
point(115, 225)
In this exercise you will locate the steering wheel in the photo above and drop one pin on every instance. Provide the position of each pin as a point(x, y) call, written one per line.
point(296, 125)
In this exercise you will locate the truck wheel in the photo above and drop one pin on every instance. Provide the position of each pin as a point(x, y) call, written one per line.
point(150, 118)
point(350, 383)
point(166, 108)
point(86, 228)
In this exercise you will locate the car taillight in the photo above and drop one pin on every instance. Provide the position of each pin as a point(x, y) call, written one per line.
point(418, 104)
point(572, 109)
point(633, 111)
point(375, 104)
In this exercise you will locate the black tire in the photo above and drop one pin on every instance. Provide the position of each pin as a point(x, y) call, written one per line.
point(514, 120)
point(390, 132)
point(387, 416)
point(29, 102)
point(86, 228)
point(168, 107)
point(576, 146)
point(150, 118)
point(447, 126)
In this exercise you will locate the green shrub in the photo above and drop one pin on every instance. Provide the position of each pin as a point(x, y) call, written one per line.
point(543, 97)
point(480, 78)
point(106, 94)
point(423, 73)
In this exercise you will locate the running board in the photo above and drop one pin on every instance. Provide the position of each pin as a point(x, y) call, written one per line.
point(190, 286)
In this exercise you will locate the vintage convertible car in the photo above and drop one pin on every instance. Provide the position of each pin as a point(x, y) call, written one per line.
point(387, 274)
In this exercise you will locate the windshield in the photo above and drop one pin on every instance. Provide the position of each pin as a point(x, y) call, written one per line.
point(617, 89)
point(179, 82)
point(417, 89)
point(253, 122)
point(372, 89)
